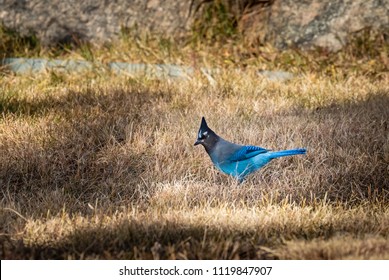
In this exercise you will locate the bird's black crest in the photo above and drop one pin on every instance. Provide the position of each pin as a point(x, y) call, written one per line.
point(203, 126)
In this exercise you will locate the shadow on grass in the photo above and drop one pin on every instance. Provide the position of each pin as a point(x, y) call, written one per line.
point(357, 147)
point(153, 239)
point(134, 240)
point(87, 156)
point(86, 153)
point(81, 152)
point(14, 103)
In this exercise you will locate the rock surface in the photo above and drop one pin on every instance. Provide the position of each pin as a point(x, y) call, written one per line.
point(325, 23)
point(56, 21)
point(160, 71)
point(297, 23)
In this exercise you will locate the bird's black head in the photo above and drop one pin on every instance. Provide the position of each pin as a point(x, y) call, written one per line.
point(205, 136)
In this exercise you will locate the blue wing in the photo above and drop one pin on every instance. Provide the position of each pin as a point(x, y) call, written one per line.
point(247, 152)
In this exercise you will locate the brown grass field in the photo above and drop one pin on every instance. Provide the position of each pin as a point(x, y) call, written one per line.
point(98, 166)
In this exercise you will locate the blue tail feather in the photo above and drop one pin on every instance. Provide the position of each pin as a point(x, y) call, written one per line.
point(287, 153)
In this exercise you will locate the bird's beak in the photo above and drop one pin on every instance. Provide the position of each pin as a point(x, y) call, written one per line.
point(197, 142)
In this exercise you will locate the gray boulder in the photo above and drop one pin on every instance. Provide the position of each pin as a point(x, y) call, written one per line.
point(56, 21)
point(327, 24)
point(286, 23)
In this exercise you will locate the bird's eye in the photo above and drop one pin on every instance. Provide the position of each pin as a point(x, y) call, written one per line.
point(204, 135)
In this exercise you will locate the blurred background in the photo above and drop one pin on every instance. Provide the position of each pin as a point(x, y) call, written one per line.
point(328, 26)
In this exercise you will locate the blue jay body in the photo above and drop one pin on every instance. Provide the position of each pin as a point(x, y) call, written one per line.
point(237, 160)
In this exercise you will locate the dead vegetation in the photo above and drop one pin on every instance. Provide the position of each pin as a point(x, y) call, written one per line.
point(95, 165)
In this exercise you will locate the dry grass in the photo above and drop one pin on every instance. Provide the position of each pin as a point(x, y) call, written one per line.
point(366, 55)
point(101, 166)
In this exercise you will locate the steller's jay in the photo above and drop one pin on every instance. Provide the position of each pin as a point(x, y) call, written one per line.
point(237, 160)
